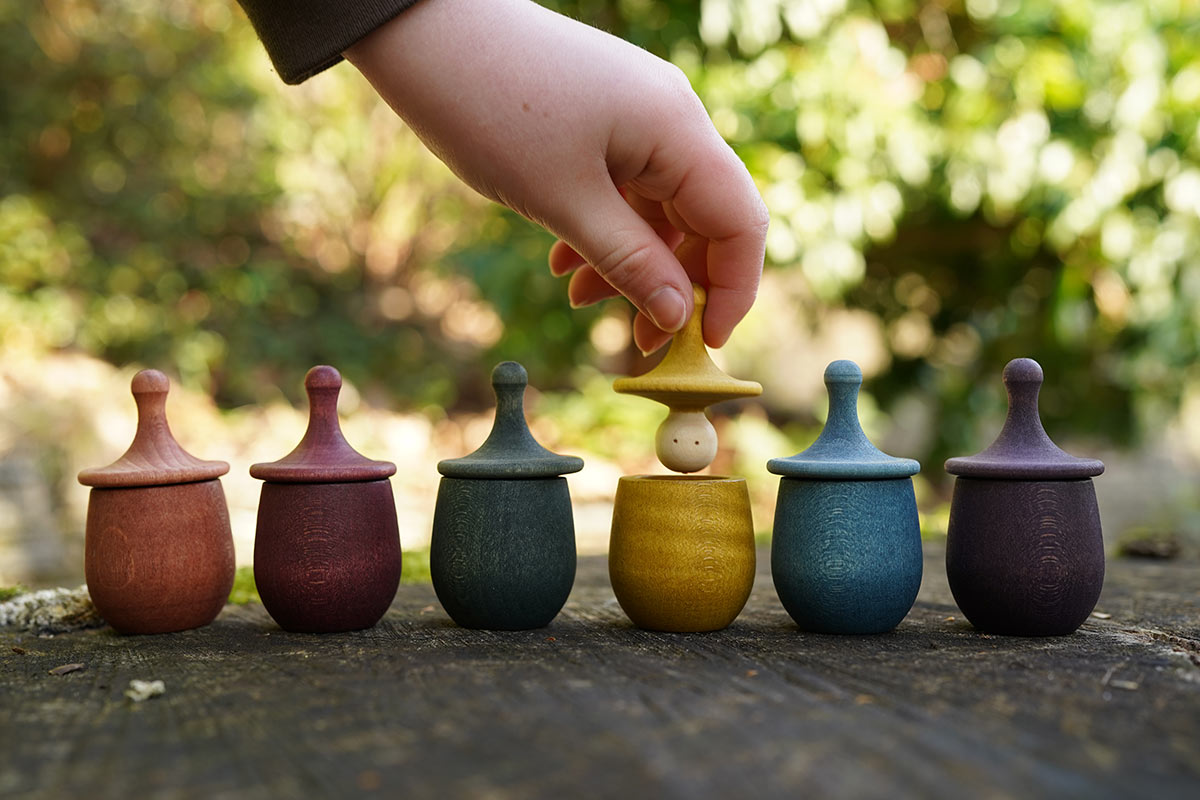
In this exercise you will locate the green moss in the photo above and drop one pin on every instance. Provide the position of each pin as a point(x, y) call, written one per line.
point(9, 592)
point(414, 568)
point(244, 591)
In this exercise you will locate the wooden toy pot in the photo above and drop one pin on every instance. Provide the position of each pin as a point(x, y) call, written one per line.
point(158, 552)
point(681, 557)
point(846, 549)
point(502, 553)
point(1024, 548)
point(327, 547)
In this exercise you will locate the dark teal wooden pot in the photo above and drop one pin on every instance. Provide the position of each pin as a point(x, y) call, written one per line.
point(846, 549)
point(846, 555)
point(502, 555)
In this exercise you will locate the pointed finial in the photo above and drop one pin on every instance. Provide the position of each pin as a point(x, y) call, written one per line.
point(843, 451)
point(154, 458)
point(510, 450)
point(323, 455)
point(1023, 450)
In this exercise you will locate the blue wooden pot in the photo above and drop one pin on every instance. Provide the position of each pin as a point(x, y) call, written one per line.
point(502, 554)
point(846, 549)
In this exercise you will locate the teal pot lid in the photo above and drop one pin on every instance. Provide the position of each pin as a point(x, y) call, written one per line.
point(843, 451)
point(510, 451)
point(1023, 451)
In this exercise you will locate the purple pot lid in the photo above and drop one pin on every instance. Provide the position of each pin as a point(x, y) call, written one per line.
point(843, 451)
point(510, 451)
point(323, 455)
point(1023, 451)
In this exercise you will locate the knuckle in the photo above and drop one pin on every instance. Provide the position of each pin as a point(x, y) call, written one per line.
point(625, 265)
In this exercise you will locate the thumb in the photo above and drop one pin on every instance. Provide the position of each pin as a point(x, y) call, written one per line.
point(625, 250)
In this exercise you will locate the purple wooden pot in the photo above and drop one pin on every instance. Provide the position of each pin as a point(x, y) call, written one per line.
point(1024, 549)
point(327, 548)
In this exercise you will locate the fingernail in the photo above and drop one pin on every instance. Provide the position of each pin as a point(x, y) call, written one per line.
point(666, 309)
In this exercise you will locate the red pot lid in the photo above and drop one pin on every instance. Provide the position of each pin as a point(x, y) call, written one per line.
point(1023, 451)
point(154, 458)
point(323, 455)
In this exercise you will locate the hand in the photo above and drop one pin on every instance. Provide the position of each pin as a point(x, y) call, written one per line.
point(598, 141)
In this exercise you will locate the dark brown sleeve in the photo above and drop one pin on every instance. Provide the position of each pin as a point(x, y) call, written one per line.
point(304, 37)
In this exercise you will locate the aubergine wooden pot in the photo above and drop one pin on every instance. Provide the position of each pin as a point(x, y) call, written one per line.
point(327, 547)
point(846, 546)
point(681, 557)
point(158, 550)
point(502, 552)
point(1024, 548)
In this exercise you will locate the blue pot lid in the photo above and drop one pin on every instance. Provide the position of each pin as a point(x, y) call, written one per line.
point(510, 451)
point(1023, 451)
point(843, 451)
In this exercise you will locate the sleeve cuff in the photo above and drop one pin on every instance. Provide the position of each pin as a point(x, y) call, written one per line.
point(304, 37)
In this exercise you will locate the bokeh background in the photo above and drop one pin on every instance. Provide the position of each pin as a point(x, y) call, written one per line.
point(952, 184)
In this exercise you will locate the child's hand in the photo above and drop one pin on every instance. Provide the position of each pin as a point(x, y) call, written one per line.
point(597, 140)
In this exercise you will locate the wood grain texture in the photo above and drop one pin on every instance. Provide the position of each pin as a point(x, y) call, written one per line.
point(417, 707)
point(1025, 558)
point(1023, 450)
point(327, 555)
point(842, 451)
point(687, 379)
point(681, 556)
point(154, 458)
point(323, 454)
point(502, 553)
point(510, 451)
point(159, 558)
point(846, 555)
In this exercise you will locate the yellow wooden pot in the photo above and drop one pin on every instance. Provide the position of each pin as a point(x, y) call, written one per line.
point(681, 557)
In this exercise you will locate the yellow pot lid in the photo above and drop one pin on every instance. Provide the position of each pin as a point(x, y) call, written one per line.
point(687, 379)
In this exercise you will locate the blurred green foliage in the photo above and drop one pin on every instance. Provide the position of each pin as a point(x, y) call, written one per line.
point(244, 589)
point(991, 178)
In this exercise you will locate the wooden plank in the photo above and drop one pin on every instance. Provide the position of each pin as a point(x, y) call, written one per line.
point(593, 706)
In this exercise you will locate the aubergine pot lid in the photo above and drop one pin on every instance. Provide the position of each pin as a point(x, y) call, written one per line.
point(323, 455)
point(843, 451)
point(1023, 451)
point(510, 451)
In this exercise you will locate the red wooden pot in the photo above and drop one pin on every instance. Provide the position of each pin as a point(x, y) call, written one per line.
point(158, 551)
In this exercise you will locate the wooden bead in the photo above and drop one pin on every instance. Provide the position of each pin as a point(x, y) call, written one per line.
point(686, 441)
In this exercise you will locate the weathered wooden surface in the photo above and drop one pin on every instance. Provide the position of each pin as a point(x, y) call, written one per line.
point(590, 706)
